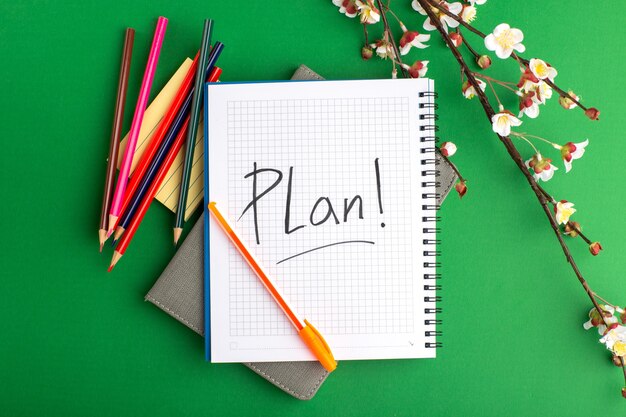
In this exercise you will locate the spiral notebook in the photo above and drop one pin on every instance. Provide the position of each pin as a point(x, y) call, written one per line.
point(332, 186)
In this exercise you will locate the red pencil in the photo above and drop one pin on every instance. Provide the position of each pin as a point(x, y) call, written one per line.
point(157, 138)
point(154, 187)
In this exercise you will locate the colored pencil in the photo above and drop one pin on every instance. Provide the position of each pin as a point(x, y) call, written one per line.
point(183, 113)
point(158, 137)
point(154, 186)
point(118, 120)
point(147, 180)
point(191, 133)
point(142, 101)
point(147, 198)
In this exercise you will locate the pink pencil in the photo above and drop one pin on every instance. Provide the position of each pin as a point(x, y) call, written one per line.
point(142, 102)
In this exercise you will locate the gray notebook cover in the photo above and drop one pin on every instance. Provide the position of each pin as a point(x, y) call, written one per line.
point(179, 292)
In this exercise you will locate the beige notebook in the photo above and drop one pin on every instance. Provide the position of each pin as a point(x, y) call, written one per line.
point(169, 190)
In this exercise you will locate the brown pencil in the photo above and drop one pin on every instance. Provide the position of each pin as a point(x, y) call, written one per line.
point(118, 120)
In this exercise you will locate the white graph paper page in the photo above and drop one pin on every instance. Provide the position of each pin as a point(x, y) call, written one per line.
point(346, 257)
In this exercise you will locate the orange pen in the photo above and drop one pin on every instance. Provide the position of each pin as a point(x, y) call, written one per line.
point(309, 334)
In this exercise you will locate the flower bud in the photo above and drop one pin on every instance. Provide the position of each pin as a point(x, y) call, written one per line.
point(595, 248)
point(566, 102)
point(456, 39)
point(448, 149)
point(572, 228)
point(624, 392)
point(617, 361)
point(461, 188)
point(592, 113)
point(483, 61)
point(367, 52)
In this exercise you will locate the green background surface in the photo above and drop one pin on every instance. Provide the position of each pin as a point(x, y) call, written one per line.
point(76, 341)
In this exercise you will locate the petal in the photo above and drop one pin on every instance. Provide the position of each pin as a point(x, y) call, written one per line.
point(455, 8)
point(503, 53)
point(518, 36)
point(546, 175)
point(519, 48)
point(501, 28)
point(532, 111)
point(552, 73)
point(450, 21)
point(418, 7)
point(405, 49)
point(423, 37)
point(428, 25)
point(568, 165)
point(514, 121)
point(580, 149)
point(587, 325)
point(490, 42)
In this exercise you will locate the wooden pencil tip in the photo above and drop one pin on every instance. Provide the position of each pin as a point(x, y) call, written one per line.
point(118, 233)
point(116, 257)
point(112, 222)
point(102, 235)
point(177, 232)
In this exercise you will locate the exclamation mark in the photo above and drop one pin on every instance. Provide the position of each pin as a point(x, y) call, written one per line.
point(380, 199)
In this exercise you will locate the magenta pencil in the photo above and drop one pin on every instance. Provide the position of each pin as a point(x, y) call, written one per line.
point(135, 127)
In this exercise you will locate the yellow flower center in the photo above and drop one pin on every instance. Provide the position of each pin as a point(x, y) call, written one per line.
point(619, 348)
point(541, 69)
point(503, 120)
point(505, 39)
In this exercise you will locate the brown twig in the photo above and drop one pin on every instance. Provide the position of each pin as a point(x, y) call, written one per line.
point(513, 152)
point(553, 201)
point(471, 28)
point(451, 164)
point(387, 29)
point(467, 45)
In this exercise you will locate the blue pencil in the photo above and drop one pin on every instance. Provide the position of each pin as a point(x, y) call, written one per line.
point(161, 153)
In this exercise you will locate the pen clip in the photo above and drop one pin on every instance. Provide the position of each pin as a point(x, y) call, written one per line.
point(319, 335)
point(316, 342)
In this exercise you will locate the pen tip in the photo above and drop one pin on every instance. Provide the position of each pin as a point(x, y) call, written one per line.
point(110, 268)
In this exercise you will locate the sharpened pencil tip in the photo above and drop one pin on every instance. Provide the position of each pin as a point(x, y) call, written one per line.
point(177, 232)
point(118, 233)
point(102, 236)
point(116, 257)
point(112, 222)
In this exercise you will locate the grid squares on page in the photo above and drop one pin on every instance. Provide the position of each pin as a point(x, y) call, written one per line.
point(331, 144)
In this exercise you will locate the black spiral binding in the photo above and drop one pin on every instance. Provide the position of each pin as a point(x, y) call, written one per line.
point(430, 182)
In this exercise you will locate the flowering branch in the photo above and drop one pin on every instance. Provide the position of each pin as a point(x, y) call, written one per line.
point(523, 62)
point(387, 29)
point(541, 195)
point(513, 152)
point(535, 86)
